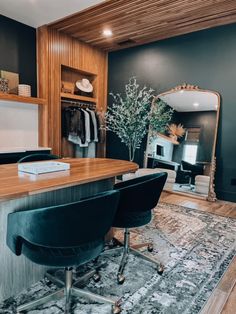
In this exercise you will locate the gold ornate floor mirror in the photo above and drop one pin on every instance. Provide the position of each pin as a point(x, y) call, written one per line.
point(186, 148)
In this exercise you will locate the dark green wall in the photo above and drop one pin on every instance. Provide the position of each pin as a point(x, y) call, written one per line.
point(18, 50)
point(207, 59)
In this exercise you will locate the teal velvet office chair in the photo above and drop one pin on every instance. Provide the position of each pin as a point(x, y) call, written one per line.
point(64, 236)
point(137, 199)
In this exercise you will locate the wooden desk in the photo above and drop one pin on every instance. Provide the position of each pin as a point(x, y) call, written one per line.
point(86, 177)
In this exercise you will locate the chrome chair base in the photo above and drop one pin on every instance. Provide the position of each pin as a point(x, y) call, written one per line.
point(126, 250)
point(69, 290)
point(115, 242)
point(187, 184)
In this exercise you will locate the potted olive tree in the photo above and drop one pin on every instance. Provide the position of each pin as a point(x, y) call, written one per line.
point(129, 116)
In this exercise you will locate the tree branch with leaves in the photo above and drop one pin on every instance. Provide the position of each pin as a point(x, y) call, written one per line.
point(129, 116)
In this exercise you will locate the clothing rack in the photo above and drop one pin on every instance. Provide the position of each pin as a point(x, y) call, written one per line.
point(79, 104)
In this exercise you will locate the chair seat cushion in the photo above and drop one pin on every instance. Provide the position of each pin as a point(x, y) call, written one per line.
point(132, 219)
point(63, 257)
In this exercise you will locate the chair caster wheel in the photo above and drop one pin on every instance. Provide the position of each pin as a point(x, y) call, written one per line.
point(120, 279)
point(113, 243)
point(96, 277)
point(160, 269)
point(116, 309)
point(150, 247)
point(48, 283)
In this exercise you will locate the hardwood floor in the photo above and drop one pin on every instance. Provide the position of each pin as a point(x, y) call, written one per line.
point(223, 299)
point(221, 208)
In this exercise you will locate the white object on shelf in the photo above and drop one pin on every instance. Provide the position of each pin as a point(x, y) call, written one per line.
point(24, 90)
point(43, 167)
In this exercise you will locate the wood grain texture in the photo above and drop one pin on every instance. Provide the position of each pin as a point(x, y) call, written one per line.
point(144, 21)
point(230, 305)
point(220, 296)
point(78, 97)
point(17, 272)
point(42, 88)
point(83, 170)
point(22, 99)
point(54, 50)
point(221, 208)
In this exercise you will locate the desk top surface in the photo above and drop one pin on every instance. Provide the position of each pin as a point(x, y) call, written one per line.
point(82, 170)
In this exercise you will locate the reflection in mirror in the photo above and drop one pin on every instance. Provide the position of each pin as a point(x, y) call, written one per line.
point(187, 148)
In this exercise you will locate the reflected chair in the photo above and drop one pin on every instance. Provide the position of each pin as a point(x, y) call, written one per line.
point(137, 199)
point(186, 174)
point(190, 171)
point(37, 157)
point(64, 236)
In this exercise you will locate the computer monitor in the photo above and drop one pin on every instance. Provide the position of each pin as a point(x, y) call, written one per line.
point(159, 150)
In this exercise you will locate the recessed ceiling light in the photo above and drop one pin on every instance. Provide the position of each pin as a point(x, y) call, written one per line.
point(107, 32)
point(196, 104)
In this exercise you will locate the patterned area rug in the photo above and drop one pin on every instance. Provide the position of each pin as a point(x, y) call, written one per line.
point(196, 249)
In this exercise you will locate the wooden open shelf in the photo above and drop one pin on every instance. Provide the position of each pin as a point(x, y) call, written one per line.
point(22, 99)
point(169, 139)
point(78, 97)
point(77, 71)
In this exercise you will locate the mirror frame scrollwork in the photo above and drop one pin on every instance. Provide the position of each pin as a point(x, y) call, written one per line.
point(188, 87)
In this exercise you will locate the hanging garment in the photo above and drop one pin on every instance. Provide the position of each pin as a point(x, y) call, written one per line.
point(87, 126)
point(94, 124)
point(73, 123)
point(91, 153)
point(91, 126)
point(81, 127)
point(76, 139)
point(65, 122)
point(98, 127)
point(86, 152)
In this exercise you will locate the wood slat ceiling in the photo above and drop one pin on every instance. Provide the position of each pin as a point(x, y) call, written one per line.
point(136, 22)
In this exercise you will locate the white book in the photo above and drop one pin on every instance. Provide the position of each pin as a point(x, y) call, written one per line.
point(43, 167)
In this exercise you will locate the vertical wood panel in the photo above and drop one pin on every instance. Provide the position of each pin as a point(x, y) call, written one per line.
point(55, 49)
point(42, 77)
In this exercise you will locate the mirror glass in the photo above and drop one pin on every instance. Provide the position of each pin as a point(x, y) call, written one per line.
point(187, 147)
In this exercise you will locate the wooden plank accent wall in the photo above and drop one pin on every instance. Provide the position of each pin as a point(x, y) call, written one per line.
point(55, 49)
point(136, 22)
